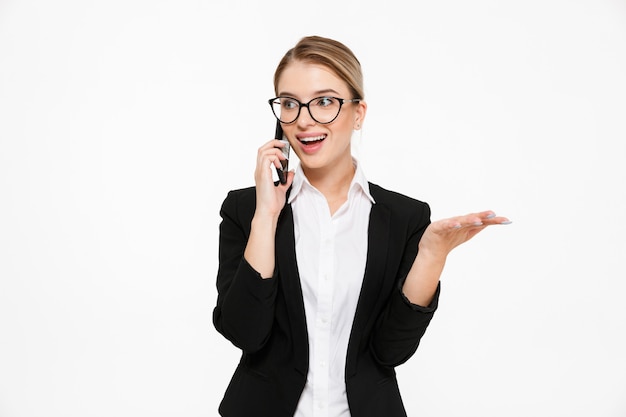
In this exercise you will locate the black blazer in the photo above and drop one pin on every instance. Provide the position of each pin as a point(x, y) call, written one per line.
point(265, 317)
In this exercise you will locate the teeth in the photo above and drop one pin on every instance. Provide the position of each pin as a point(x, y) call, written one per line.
point(313, 139)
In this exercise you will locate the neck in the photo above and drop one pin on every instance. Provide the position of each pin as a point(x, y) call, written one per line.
point(334, 182)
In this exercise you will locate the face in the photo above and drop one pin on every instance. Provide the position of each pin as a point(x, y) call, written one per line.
point(320, 147)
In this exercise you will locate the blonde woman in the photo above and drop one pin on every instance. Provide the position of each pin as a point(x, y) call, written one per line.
point(326, 282)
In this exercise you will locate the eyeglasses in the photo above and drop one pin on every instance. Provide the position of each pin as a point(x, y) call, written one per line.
point(322, 109)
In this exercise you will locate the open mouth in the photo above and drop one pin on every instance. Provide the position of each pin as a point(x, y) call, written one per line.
point(312, 140)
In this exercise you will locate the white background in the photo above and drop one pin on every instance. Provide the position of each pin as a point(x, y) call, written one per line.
point(123, 124)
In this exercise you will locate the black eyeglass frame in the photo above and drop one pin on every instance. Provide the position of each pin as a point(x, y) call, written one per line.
point(301, 105)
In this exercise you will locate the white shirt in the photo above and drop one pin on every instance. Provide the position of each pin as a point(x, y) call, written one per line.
point(331, 254)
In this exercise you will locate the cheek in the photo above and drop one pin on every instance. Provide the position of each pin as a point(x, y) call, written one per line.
point(344, 127)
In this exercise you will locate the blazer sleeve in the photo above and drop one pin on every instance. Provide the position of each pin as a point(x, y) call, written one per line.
point(402, 324)
point(245, 303)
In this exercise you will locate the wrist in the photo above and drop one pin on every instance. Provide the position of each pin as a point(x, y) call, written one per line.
point(432, 257)
point(264, 221)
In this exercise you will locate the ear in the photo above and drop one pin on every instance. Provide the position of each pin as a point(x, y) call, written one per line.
point(359, 114)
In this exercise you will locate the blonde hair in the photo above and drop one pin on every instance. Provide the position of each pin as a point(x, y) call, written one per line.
point(329, 53)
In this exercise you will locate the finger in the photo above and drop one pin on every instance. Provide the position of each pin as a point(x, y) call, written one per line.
point(474, 220)
point(483, 218)
point(469, 220)
point(478, 225)
point(460, 223)
point(278, 143)
point(271, 156)
point(274, 143)
point(489, 217)
point(486, 215)
point(275, 160)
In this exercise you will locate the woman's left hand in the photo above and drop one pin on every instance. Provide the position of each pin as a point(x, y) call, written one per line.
point(444, 235)
point(437, 242)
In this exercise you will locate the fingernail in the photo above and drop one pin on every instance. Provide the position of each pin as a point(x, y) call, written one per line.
point(506, 222)
point(491, 216)
point(477, 224)
point(456, 226)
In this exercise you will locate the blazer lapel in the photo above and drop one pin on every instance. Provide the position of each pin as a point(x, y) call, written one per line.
point(378, 237)
point(289, 277)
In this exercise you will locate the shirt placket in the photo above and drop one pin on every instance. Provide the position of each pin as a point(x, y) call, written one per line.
point(324, 314)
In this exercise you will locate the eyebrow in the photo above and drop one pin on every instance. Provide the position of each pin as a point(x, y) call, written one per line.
point(316, 93)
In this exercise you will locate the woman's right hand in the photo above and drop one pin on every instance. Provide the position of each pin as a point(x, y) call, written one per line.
point(270, 197)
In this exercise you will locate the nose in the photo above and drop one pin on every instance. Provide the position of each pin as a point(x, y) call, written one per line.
point(305, 119)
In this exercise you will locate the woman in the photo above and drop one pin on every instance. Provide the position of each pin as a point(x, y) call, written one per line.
point(327, 282)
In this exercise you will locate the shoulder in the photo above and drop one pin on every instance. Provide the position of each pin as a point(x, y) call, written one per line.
point(406, 215)
point(248, 193)
point(395, 199)
point(403, 210)
point(240, 202)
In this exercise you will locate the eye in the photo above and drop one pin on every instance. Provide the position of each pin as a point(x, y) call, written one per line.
point(289, 103)
point(324, 101)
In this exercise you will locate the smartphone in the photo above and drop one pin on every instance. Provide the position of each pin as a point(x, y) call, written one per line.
point(282, 171)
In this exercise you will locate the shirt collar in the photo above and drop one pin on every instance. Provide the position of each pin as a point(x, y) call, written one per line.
point(359, 181)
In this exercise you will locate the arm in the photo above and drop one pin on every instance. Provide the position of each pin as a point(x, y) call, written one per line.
point(411, 307)
point(401, 324)
point(245, 306)
point(271, 199)
point(245, 302)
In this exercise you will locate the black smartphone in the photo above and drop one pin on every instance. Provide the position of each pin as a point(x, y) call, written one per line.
point(282, 172)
